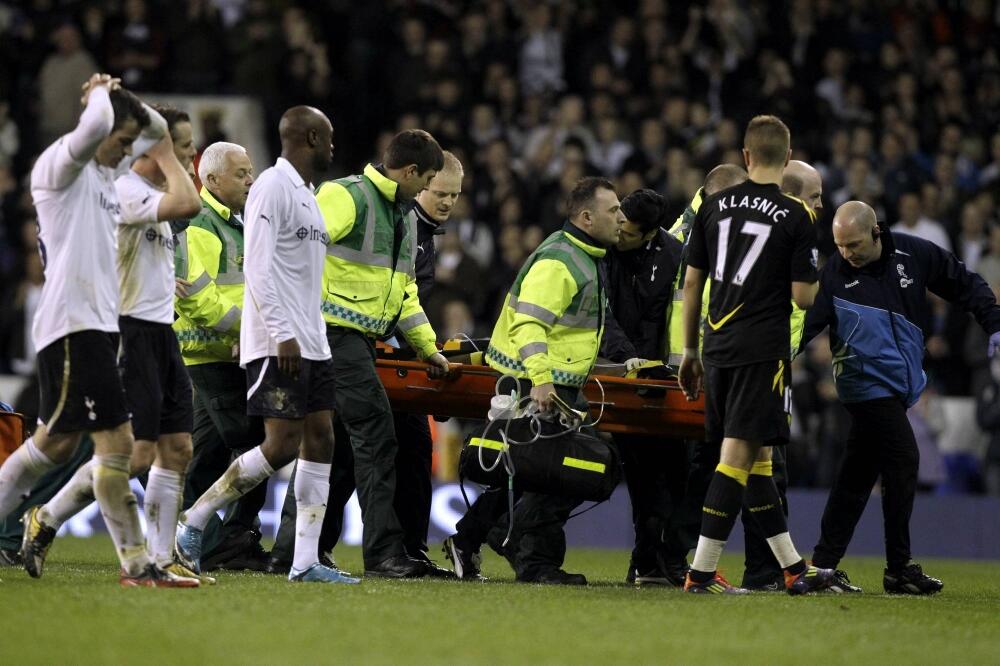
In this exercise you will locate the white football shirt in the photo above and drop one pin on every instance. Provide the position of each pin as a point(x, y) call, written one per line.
point(145, 252)
point(285, 243)
point(78, 217)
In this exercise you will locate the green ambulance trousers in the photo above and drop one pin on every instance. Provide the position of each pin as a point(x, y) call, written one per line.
point(222, 431)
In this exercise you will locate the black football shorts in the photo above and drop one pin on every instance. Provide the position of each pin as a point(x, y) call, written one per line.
point(157, 385)
point(272, 393)
point(749, 402)
point(80, 384)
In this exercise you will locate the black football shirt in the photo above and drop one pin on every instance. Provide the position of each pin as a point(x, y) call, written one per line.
point(753, 241)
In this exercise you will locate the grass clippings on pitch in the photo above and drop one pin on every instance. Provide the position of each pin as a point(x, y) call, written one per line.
point(77, 614)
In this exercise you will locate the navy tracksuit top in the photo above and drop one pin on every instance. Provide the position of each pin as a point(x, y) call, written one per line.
point(879, 315)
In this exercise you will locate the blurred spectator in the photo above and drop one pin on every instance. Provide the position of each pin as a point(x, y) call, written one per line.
point(59, 81)
point(990, 175)
point(17, 315)
point(609, 151)
point(10, 138)
point(541, 55)
point(972, 242)
point(912, 222)
point(137, 47)
point(195, 27)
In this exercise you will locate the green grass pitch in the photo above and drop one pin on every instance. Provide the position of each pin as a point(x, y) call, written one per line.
point(77, 614)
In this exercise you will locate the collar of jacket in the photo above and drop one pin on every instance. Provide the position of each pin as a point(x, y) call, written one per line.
point(385, 185)
point(428, 227)
point(582, 240)
point(877, 266)
point(216, 205)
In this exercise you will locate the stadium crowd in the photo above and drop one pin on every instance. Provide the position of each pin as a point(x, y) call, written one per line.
point(897, 104)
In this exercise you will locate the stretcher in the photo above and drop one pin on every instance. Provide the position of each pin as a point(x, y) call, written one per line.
point(633, 406)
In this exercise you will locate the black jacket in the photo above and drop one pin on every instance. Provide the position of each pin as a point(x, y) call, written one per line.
point(427, 229)
point(640, 286)
point(879, 315)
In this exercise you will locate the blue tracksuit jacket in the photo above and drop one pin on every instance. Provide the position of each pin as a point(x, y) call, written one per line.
point(879, 315)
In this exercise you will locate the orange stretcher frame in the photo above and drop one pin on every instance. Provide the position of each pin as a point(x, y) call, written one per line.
point(632, 406)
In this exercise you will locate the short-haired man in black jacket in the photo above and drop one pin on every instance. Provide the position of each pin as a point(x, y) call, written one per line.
point(872, 296)
point(639, 278)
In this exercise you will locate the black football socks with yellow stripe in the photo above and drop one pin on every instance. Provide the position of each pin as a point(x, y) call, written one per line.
point(718, 515)
point(764, 505)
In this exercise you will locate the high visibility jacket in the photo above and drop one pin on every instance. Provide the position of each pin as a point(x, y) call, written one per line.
point(209, 254)
point(369, 281)
point(675, 319)
point(552, 321)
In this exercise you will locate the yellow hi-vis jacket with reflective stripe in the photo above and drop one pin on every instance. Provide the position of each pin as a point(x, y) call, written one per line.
point(675, 319)
point(369, 280)
point(209, 255)
point(552, 321)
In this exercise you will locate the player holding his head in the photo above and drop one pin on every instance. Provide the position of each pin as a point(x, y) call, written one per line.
point(758, 247)
point(154, 191)
point(76, 327)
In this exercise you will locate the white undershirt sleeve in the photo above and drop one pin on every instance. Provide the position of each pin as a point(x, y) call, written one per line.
point(62, 162)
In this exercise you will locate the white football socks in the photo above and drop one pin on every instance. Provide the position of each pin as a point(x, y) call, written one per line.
point(707, 554)
point(312, 488)
point(71, 498)
point(161, 506)
point(19, 473)
point(784, 550)
point(243, 475)
point(120, 510)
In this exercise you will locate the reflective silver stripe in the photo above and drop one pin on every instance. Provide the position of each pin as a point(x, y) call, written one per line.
point(228, 320)
point(365, 255)
point(229, 278)
point(533, 348)
point(409, 267)
point(358, 256)
point(232, 260)
point(578, 321)
point(587, 296)
point(181, 266)
point(200, 283)
point(532, 310)
point(573, 251)
point(675, 359)
point(412, 321)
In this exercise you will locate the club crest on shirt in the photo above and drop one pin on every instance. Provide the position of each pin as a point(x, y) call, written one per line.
point(904, 281)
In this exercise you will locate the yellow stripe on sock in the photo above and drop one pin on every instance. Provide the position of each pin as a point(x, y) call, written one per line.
point(740, 475)
point(764, 468)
